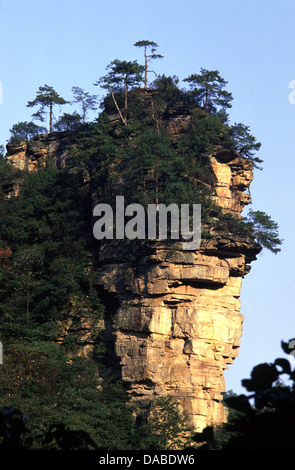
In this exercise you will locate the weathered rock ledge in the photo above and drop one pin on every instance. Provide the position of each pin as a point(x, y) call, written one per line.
point(35, 154)
point(177, 324)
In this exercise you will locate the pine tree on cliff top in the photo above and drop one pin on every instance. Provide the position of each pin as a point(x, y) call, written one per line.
point(46, 97)
point(121, 74)
point(208, 89)
point(147, 57)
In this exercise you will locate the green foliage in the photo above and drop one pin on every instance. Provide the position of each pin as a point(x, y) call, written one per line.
point(149, 169)
point(207, 133)
point(149, 44)
point(46, 273)
point(145, 164)
point(24, 131)
point(122, 74)
point(56, 395)
point(46, 97)
point(96, 149)
point(9, 176)
point(245, 143)
point(263, 420)
point(167, 426)
point(168, 91)
point(15, 435)
point(85, 100)
point(153, 46)
point(265, 230)
point(68, 122)
point(68, 408)
point(208, 90)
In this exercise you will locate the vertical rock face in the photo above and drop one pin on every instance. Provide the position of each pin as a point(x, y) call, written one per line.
point(35, 154)
point(173, 316)
point(178, 324)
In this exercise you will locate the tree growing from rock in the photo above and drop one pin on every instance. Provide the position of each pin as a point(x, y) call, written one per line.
point(147, 57)
point(265, 230)
point(207, 88)
point(46, 97)
point(124, 74)
point(245, 143)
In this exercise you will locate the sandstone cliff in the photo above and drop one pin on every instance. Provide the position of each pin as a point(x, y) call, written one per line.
point(35, 154)
point(173, 317)
point(177, 321)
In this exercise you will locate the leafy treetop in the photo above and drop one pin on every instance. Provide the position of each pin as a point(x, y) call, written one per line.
point(208, 89)
point(147, 57)
point(265, 230)
point(121, 74)
point(86, 101)
point(46, 97)
point(24, 131)
point(68, 122)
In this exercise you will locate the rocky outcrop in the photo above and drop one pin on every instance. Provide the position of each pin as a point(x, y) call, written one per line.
point(37, 153)
point(172, 317)
point(178, 323)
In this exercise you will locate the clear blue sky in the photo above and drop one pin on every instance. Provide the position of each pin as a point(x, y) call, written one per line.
point(69, 43)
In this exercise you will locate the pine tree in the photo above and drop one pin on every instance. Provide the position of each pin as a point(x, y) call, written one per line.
point(147, 57)
point(24, 131)
point(46, 97)
point(68, 122)
point(121, 74)
point(265, 230)
point(208, 89)
point(86, 101)
point(245, 142)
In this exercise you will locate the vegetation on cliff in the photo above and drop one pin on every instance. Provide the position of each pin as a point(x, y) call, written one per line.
point(47, 247)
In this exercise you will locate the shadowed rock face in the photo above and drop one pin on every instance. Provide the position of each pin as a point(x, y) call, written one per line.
point(173, 316)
